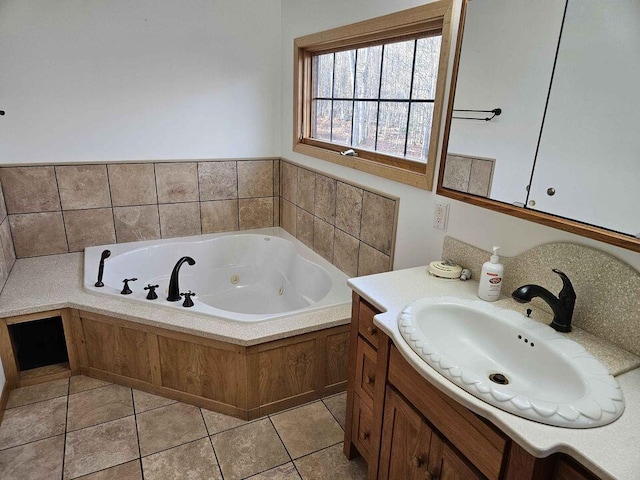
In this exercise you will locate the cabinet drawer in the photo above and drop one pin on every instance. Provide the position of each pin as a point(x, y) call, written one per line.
point(476, 440)
point(366, 328)
point(365, 372)
point(362, 427)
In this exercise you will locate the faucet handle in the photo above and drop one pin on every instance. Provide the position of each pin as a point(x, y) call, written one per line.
point(152, 295)
point(187, 299)
point(567, 292)
point(125, 289)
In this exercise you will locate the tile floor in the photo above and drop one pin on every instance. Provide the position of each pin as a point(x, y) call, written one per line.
point(93, 430)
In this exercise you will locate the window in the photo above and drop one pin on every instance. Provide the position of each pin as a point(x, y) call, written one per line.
point(375, 87)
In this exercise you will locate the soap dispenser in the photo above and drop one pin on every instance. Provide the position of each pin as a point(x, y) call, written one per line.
point(491, 278)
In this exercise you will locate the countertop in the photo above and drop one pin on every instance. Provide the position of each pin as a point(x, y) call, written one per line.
point(610, 451)
point(53, 282)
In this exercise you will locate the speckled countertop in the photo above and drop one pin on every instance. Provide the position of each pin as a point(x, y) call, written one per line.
point(610, 451)
point(52, 282)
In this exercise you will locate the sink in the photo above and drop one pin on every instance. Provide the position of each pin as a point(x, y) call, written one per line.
point(512, 362)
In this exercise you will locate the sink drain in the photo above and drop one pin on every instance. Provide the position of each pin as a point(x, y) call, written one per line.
point(499, 378)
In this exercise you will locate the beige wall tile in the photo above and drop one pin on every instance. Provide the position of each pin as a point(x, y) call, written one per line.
point(218, 180)
point(325, 204)
point(219, 216)
point(87, 228)
point(177, 182)
point(304, 227)
point(7, 244)
point(255, 179)
point(345, 253)
point(378, 217)
point(323, 238)
point(37, 234)
point(276, 212)
point(134, 224)
point(288, 213)
point(372, 261)
point(132, 184)
point(179, 219)
point(4, 269)
point(83, 186)
point(3, 206)
point(289, 181)
point(30, 189)
point(348, 208)
point(480, 178)
point(276, 177)
point(255, 213)
point(456, 173)
point(306, 189)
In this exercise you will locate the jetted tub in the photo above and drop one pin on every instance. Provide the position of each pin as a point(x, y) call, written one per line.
point(243, 276)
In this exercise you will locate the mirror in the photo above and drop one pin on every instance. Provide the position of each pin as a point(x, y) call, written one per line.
point(542, 123)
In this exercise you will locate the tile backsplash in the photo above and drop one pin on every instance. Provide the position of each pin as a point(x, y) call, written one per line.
point(352, 227)
point(56, 209)
point(65, 208)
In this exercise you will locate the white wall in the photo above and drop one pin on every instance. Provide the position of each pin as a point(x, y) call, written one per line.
point(417, 241)
point(109, 80)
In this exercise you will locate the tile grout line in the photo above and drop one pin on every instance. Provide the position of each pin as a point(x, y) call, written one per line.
point(334, 417)
point(64, 439)
point(135, 421)
point(215, 455)
point(64, 225)
point(285, 447)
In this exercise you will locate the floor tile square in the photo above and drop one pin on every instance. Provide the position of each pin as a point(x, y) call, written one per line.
point(169, 426)
point(99, 447)
point(80, 383)
point(126, 471)
point(218, 422)
point(41, 460)
point(144, 401)
point(38, 393)
point(307, 429)
point(192, 461)
point(337, 405)
point(283, 472)
point(249, 449)
point(33, 422)
point(331, 463)
point(98, 405)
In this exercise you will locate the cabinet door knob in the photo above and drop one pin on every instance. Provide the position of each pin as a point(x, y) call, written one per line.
point(372, 330)
point(368, 379)
point(417, 461)
point(365, 435)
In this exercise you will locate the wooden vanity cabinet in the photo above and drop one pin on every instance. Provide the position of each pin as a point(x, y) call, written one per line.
point(405, 428)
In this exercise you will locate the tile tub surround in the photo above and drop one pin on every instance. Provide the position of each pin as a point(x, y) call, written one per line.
point(607, 289)
point(145, 434)
point(7, 252)
point(349, 225)
point(64, 208)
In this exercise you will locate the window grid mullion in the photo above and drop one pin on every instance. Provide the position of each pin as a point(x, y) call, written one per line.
point(353, 101)
point(413, 72)
point(375, 145)
point(333, 85)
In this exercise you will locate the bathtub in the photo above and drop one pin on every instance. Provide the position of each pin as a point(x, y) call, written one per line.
point(247, 276)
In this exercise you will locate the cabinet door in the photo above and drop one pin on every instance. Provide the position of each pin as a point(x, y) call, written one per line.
point(450, 466)
point(406, 442)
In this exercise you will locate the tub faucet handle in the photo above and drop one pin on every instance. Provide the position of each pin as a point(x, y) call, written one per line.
point(152, 295)
point(187, 299)
point(125, 289)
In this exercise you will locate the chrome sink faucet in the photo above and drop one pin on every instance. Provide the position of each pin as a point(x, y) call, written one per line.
point(174, 287)
point(562, 306)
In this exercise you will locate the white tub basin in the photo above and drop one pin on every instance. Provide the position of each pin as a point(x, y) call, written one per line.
point(512, 362)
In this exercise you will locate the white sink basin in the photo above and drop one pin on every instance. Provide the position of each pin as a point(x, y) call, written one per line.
point(551, 379)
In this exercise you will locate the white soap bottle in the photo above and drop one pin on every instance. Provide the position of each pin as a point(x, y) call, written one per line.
point(491, 278)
